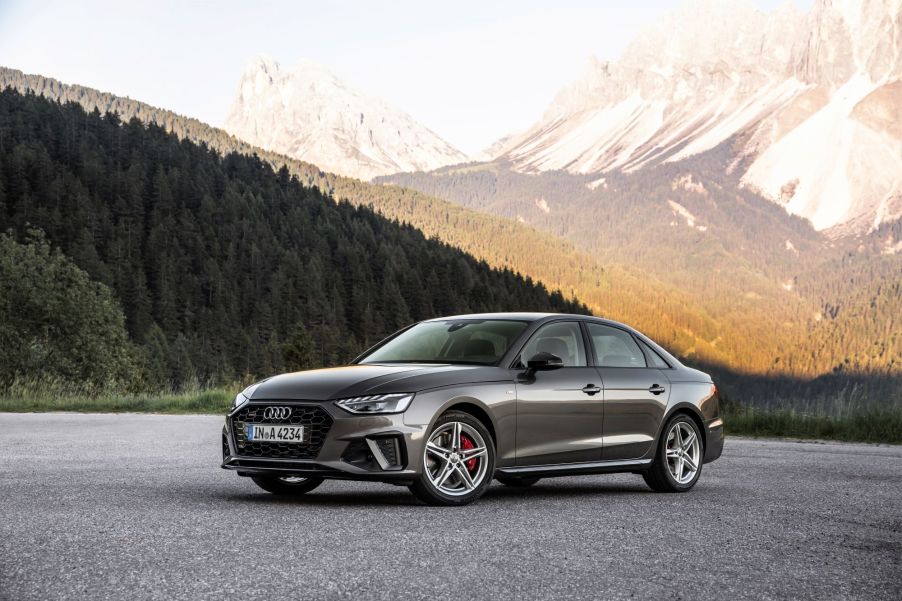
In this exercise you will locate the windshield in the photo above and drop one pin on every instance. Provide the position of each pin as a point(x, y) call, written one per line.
point(473, 341)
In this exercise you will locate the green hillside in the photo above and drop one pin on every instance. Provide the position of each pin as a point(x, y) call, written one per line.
point(223, 267)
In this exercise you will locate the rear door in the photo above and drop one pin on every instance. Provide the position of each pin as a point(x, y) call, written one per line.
point(635, 394)
point(560, 411)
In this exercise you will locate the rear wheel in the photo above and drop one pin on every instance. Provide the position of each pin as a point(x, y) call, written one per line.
point(517, 482)
point(678, 462)
point(287, 486)
point(458, 461)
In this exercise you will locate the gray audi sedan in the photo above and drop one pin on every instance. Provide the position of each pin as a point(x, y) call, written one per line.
point(448, 404)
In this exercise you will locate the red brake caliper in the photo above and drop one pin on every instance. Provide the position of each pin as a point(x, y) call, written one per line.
point(466, 443)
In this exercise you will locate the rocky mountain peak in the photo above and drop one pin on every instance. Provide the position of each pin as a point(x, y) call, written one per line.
point(845, 37)
point(307, 112)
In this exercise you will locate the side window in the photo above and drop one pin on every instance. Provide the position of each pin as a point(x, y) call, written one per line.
point(563, 339)
point(614, 347)
point(656, 359)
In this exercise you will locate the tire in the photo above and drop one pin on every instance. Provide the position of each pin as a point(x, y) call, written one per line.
point(453, 445)
point(517, 482)
point(661, 476)
point(283, 487)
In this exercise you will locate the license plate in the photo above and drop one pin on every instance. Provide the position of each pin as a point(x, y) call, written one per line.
point(270, 433)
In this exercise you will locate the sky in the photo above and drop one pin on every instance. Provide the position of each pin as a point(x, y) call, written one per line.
point(471, 71)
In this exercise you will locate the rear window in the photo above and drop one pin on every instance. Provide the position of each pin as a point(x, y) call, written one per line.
point(654, 357)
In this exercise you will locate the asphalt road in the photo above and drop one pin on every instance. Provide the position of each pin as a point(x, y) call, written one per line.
point(136, 507)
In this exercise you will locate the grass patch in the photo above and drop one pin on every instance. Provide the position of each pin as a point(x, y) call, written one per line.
point(859, 425)
point(865, 425)
point(210, 400)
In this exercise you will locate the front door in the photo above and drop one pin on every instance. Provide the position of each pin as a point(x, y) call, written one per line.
point(635, 395)
point(559, 412)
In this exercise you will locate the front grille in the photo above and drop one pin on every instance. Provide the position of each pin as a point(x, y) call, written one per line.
point(315, 419)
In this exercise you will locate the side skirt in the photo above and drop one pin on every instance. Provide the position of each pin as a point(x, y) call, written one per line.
point(574, 469)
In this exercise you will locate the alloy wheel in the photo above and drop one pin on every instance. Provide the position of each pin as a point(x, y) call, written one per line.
point(683, 452)
point(455, 458)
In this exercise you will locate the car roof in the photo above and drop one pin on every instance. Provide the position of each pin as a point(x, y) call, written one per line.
point(534, 317)
point(508, 316)
point(530, 317)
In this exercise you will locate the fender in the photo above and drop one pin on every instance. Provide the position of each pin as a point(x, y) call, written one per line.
point(465, 401)
point(492, 408)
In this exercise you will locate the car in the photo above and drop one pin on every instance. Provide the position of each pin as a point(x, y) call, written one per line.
point(446, 405)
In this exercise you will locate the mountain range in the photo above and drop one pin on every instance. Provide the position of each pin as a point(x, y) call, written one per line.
point(812, 103)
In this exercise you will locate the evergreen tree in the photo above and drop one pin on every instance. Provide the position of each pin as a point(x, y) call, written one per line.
point(299, 350)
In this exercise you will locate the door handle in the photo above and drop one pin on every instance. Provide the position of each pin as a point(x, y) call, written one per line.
point(656, 389)
point(591, 389)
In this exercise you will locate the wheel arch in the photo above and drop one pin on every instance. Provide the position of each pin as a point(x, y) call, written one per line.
point(690, 411)
point(477, 412)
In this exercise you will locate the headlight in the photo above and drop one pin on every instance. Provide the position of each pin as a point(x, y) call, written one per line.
point(244, 396)
point(240, 400)
point(377, 403)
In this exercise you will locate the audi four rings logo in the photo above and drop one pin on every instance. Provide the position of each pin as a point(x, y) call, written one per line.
point(277, 412)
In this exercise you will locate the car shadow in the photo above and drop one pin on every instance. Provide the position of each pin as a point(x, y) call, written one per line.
point(368, 498)
point(400, 497)
point(553, 490)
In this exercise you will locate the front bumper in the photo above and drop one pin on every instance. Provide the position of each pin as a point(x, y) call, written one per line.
point(341, 445)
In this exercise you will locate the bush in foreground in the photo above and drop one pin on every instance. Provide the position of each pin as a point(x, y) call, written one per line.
point(55, 322)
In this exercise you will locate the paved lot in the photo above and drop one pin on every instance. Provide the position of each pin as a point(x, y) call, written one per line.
point(136, 507)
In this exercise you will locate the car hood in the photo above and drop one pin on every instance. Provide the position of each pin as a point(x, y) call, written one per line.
point(355, 380)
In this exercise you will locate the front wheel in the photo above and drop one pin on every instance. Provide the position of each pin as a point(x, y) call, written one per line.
point(287, 486)
point(678, 462)
point(458, 461)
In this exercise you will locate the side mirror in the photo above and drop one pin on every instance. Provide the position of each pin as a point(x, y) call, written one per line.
point(544, 362)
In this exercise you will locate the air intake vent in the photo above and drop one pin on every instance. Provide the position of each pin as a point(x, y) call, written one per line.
point(376, 454)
